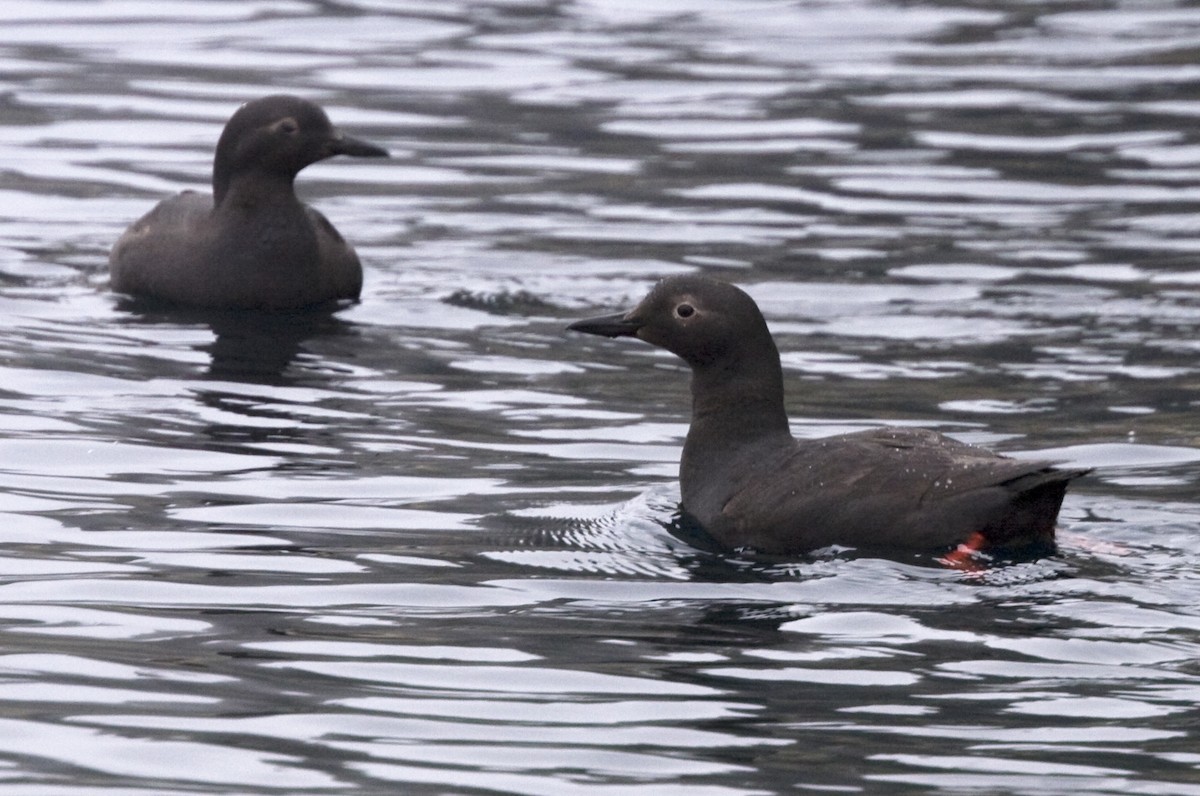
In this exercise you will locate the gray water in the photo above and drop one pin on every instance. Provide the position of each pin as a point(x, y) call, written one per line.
point(423, 545)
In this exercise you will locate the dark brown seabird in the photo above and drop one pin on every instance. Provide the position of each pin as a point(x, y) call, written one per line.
point(251, 244)
point(750, 484)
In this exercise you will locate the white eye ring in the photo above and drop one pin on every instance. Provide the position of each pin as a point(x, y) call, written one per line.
point(685, 310)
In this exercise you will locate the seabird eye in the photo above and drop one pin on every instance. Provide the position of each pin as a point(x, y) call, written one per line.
point(288, 126)
point(685, 310)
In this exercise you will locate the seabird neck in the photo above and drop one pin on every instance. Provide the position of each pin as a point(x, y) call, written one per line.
point(739, 399)
point(254, 189)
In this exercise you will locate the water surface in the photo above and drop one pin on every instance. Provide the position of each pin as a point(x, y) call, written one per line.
point(421, 545)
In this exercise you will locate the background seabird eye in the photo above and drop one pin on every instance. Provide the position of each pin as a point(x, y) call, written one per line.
point(685, 310)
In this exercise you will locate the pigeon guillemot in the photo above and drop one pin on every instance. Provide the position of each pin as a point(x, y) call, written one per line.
point(750, 484)
point(252, 244)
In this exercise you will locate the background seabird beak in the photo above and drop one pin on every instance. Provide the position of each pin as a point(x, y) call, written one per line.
point(355, 147)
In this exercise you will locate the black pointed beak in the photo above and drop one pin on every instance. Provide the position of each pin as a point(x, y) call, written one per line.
point(343, 144)
point(618, 325)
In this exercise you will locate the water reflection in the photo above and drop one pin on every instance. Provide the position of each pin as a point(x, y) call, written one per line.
point(254, 347)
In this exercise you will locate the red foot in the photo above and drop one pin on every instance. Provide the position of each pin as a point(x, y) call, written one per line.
point(964, 556)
